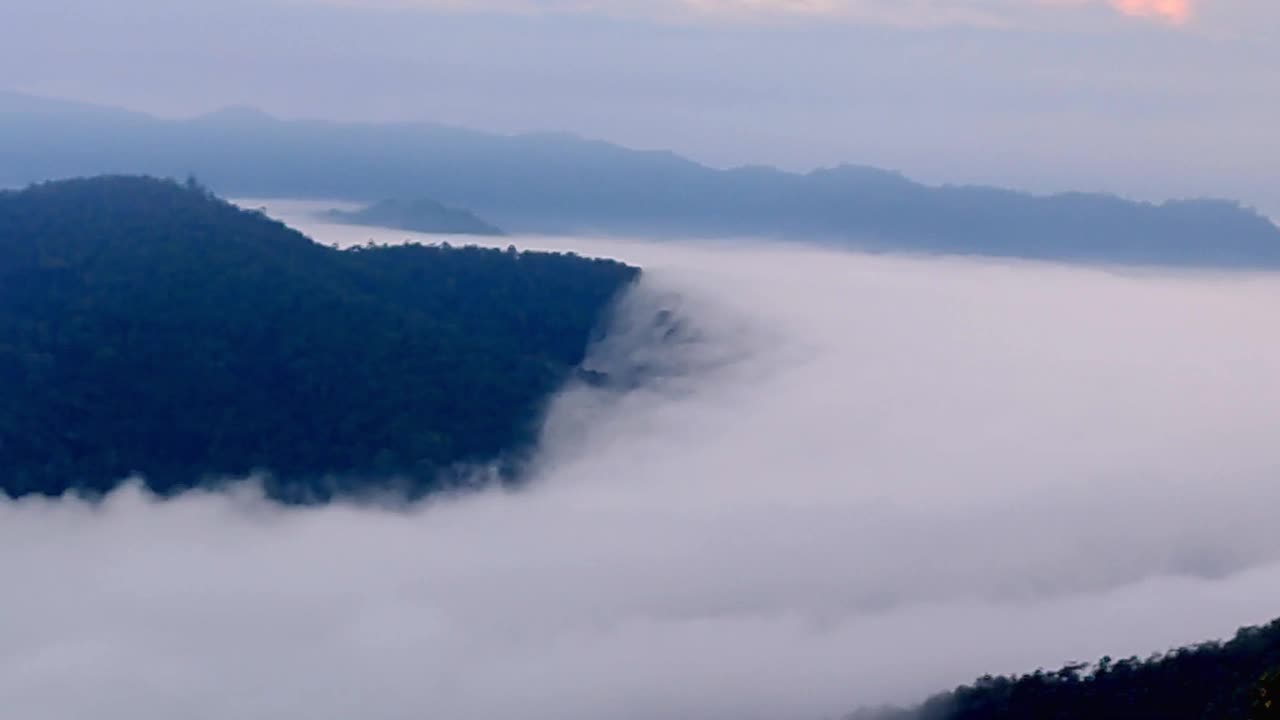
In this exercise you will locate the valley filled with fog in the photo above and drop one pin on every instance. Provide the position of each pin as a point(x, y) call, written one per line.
point(827, 480)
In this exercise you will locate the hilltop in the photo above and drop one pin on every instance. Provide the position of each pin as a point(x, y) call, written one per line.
point(1234, 680)
point(149, 327)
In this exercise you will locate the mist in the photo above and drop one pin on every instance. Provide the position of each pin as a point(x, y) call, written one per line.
point(837, 480)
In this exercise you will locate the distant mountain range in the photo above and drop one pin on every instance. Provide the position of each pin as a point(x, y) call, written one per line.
point(418, 215)
point(564, 184)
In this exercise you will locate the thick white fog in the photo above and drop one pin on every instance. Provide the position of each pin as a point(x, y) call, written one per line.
point(846, 480)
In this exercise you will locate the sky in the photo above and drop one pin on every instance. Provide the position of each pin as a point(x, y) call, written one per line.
point(1149, 98)
point(801, 512)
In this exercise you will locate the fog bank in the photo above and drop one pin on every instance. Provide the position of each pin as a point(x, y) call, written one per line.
point(843, 480)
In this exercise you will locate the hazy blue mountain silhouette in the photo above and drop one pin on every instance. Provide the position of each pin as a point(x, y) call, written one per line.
point(416, 215)
point(562, 183)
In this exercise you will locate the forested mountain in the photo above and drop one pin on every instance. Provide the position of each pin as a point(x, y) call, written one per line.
point(559, 183)
point(419, 215)
point(149, 327)
point(1235, 680)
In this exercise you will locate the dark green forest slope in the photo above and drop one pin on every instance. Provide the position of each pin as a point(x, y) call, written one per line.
point(1235, 680)
point(148, 327)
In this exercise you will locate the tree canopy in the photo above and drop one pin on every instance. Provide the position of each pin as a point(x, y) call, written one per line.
point(1233, 680)
point(148, 327)
point(555, 183)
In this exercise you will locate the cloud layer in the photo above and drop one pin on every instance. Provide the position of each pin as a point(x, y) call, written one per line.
point(847, 480)
point(926, 12)
point(1178, 11)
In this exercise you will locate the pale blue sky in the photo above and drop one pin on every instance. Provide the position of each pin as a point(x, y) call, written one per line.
point(1040, 94)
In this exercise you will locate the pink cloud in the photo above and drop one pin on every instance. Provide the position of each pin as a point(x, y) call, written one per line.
point(1176, 11)
point(914, 12)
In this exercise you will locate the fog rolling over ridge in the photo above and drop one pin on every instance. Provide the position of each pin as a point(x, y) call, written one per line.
point(841, 480)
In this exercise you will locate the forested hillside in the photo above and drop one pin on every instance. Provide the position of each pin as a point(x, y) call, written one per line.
point(149, 327)
point(1235, 680)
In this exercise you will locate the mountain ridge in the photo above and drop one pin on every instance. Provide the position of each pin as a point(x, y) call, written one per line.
point(149, 327)
point(561, 183)
point(422, 215)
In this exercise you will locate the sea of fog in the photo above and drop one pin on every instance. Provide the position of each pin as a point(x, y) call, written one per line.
point(847, 480)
